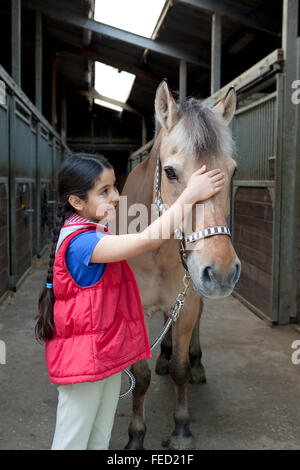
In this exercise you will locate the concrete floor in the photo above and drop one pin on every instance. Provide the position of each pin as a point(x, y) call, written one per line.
point(250, 401)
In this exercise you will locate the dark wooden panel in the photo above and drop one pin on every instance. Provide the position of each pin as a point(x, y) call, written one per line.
point(255, 293)
point(255, 239)
point(262, 260)
point(253, 227)
point(260, 225)
point(255, 194)
point(258, 209)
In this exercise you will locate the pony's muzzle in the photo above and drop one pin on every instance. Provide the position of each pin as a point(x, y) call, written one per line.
point(214, 284)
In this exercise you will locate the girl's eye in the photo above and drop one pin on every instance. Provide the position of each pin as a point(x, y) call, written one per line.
point(104, 191)
point(171, 175)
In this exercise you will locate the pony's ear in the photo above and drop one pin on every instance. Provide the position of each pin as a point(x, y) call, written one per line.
point(165, 106)
point(226, 107)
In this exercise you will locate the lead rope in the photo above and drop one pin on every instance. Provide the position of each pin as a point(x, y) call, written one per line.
point(179, 303)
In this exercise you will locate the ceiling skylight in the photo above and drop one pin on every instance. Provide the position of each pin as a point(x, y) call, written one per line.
point(136, 16)
point(111, 83)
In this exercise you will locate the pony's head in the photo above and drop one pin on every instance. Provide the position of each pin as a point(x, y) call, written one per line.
point(191, 134)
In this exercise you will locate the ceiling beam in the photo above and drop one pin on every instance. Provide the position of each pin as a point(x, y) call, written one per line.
point(89, 11)
point(161, 19)
point(240, 13)
point(102, 143)
point(81, 21)
point(104, 147)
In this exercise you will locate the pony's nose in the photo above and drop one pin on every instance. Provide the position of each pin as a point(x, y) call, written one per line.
point(212, 279)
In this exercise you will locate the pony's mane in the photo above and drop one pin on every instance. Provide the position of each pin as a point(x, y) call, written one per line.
point(200, 131)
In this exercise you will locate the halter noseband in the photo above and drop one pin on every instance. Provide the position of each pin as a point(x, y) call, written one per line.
point(194, 236)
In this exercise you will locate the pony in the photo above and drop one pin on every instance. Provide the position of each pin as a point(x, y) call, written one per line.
point(189, 134)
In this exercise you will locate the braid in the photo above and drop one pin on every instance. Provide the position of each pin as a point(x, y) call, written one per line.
point(76, 177)
point(44, 326)
point(62, 209)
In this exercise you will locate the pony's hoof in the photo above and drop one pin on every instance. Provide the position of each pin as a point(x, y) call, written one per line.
point(131, 445)
point(162, 366)
point(135, 438)
point(198, 375)
point(181, 443)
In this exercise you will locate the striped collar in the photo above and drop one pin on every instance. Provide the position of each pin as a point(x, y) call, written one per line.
point(76, 219)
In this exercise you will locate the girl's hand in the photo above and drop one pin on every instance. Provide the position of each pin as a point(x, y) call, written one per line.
point(202, 185)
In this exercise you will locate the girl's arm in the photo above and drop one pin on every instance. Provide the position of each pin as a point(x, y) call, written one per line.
point(200, 187)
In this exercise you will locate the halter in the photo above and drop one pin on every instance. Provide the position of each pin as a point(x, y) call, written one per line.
point(194, 236)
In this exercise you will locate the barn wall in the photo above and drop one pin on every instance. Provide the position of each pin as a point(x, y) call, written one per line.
point(30, 154)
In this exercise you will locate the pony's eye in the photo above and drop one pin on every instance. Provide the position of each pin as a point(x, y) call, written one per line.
point(171, 175)
point(234, 173)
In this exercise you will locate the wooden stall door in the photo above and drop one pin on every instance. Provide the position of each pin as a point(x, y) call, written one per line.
point(253, 221)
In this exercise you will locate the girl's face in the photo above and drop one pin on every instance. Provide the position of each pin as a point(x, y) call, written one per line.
point(102, 198)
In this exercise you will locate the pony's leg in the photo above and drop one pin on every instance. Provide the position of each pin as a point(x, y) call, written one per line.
point(162, 363)
point(195, 353)
point(180, 371)
point(137, 427)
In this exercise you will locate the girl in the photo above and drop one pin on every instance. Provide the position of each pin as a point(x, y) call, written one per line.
point(90, 314)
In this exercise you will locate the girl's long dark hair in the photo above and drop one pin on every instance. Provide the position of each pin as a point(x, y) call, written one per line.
point(76, 176)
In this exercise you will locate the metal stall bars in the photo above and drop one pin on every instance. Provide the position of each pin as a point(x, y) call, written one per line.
point(139, 155)
point(30, 154)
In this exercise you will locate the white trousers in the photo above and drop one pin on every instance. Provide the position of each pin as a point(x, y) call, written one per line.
point(85, 414)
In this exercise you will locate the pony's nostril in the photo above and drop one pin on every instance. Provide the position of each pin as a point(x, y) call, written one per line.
point(237, 272)
point(234, 274)
point(207, 277)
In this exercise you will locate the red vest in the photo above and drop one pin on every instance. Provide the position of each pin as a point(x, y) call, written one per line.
point(99, 329)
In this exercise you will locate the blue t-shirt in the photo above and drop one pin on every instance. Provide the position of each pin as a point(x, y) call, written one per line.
point(78, 257)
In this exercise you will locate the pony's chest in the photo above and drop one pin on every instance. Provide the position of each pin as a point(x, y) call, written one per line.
point(159, 277)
